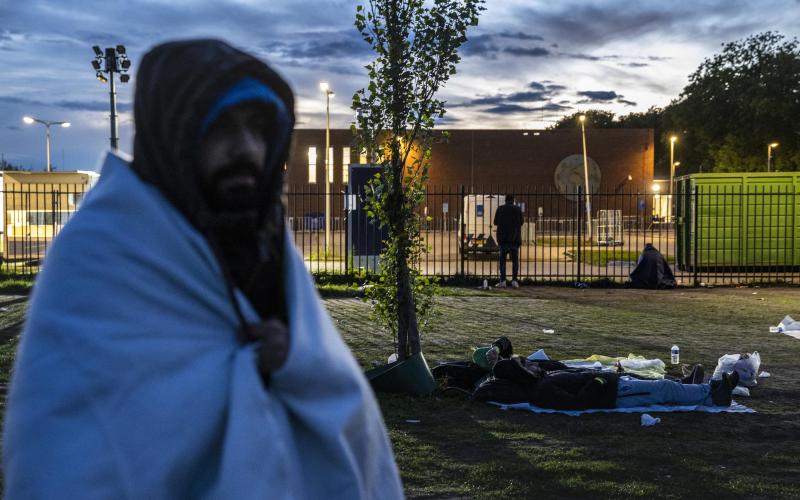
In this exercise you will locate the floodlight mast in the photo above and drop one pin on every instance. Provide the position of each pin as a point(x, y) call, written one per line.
point(113, 60)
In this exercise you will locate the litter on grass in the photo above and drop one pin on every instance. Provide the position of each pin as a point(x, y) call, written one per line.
point(787, 326)
point(649, 421)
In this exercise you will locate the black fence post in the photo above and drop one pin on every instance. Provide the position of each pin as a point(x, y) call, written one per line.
point(346, 218)
point(695, 227)
point(463, 228)
point(580, 236)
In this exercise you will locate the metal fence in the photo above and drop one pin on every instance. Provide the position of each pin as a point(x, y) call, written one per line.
point(715, 236)
point(708, 236)
point(31, 215)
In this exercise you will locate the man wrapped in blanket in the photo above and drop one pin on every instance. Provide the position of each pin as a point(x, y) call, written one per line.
point(175, 345)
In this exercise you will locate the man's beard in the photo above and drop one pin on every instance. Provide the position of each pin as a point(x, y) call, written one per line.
point(234, 189)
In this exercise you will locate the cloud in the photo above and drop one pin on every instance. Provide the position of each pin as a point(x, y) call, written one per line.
point(505, 109)
point(599, 95)
point(322, 45)
point(626, 102)
point(634, 64)
point(541, 92)
point(527, 51)
point(522, 36)
point(13, 127)
point(66, 104)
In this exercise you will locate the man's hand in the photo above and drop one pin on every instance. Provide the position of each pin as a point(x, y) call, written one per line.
point(273, 336)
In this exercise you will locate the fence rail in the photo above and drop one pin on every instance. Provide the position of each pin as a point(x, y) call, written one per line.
point(713, 235)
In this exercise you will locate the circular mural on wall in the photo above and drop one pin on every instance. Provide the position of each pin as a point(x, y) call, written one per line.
point(569, 176)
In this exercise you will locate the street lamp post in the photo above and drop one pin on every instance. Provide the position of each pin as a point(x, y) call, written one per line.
point(770, 147)
point(672, 141)
point(582, 119)
point(31, 120)
point(328, 167)
point(113, 60)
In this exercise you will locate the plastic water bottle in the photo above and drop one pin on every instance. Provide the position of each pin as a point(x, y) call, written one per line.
point(675, 355)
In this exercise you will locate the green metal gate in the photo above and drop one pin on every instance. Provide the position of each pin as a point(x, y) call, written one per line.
point(738, 221)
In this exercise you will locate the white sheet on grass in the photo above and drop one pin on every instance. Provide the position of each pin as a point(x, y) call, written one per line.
point(733, 408)
point(131, 382)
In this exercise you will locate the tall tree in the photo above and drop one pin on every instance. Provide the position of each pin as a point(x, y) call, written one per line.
point(416, 44)
point(739, 101)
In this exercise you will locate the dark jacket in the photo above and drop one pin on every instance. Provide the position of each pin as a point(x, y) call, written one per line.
point(569, 390)
point(520, 381)
point(508, 219)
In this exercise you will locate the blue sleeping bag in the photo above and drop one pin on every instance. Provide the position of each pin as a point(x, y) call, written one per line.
point(130, 382)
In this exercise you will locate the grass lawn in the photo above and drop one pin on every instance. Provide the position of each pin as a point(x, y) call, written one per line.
point(465, 449)
point(461, 449)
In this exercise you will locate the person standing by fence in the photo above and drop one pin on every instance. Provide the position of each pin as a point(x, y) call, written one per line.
point(508, 220)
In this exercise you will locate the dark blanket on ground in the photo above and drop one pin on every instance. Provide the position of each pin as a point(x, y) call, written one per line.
point(652, 270)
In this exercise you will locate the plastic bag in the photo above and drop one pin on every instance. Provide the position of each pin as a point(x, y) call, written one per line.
point(746, 365)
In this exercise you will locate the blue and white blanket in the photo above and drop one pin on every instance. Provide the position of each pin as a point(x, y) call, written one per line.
point(130, 381)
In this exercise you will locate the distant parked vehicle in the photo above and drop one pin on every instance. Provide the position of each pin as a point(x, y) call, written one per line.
point(478, 218)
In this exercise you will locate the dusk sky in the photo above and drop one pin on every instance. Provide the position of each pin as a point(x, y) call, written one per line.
point(528, 63)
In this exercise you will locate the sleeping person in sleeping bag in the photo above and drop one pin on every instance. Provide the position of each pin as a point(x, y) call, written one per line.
point(175, 345)
point(517, 380)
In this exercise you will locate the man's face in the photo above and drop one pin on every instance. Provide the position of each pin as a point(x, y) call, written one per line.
point(232, 157)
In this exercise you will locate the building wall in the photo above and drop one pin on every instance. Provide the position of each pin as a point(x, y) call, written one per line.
point(498, 157)
point(489, 161)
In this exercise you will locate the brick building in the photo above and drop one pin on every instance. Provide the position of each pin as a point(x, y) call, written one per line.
point(492, 162)
point(482, 158)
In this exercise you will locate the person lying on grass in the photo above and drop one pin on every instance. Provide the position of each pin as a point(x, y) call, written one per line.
point(175, 345)
point(518, 380)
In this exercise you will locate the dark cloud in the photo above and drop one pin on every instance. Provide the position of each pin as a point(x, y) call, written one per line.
point(527, 51)
point(522, 36)
point(13, 127)
point(343, 44)
point(626, 102)
point(595, 24)
point(634, 64)
point(507, 109)
point(66, 104)
point(599, 95)
point(541, 91)
point(480, 45)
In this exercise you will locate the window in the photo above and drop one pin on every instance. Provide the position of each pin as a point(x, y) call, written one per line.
point(345, 165)
point(362, 157)
point(329, 168)
point(312, 165)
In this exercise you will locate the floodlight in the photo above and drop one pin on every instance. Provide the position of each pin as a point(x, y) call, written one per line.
point(66, 124)
point(582, 118)
point(125, 78)
point(121, 50)
point(323, 86)
point(126, 64)
point(97, 51)
point(96, 65)
point(102, 78)
point(27, 119)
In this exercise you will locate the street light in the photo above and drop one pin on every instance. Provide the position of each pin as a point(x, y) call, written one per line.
point(770, 147)
point(328, 170)
point(113, 60)
point(672, 141)
point(31, 120)
point(582, 119)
